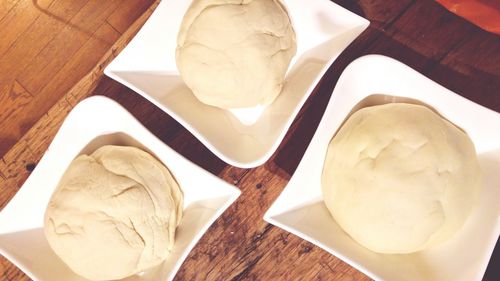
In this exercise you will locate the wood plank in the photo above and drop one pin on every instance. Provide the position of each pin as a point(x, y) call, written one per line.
point(6, 6)
point(11, 103)
point(79, 65)
point(240, 227)
point(18, 56)
point(433, 35)
point(32, 40)
point(73, 36)
point(301, 259)
point(233, 175)
point(38, 139)
point(241, 246)
point(124, 15)
point(81, 62)
point(380, 13)
point(14, 100)
point(412, 38)
point(9, 272)
point(471, 73)
point(13, 170)
point(60, 13)
point(17, 20)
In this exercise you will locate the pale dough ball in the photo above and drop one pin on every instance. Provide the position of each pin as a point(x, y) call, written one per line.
point(398, 178)
point(114, 213)
point(235, 53)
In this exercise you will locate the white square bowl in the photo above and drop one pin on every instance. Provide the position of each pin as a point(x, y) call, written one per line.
point(94, 122)
point(300, 208)
point(248, 138)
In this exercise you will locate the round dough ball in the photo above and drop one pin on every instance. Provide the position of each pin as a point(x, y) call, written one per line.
point(114, 213)
point(399, 178)
point(235, 53)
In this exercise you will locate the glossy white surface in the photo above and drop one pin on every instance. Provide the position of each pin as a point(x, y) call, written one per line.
point(300, 208)
point(94, 122)
point(248, 137)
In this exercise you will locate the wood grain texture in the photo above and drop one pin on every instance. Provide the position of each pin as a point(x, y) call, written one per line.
point(124, 15)
point(17, 17)
point(240, 245)
point(57, 42)
point(52, 57)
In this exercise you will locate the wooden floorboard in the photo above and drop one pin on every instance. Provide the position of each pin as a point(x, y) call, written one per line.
point(6, 6)
point(17, 20)
point(33, 60)
point(431, 36)
point(52, 57)
point(124, 15)
point(19, 56)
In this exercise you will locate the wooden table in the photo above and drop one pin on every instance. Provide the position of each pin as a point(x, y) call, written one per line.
point(52, 53)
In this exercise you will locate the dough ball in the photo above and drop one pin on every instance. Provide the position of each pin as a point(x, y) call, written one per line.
point(114, 213)
point(235, 53)
point(398, 178)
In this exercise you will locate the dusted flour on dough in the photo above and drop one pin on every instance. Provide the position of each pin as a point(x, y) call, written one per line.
point(398, 178)
point(114, 213)
point(235, 53)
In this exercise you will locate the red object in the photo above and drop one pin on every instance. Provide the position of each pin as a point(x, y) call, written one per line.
point(483, 13)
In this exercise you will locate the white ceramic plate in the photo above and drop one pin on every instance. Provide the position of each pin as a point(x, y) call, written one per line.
point(300, 208)
point(94, 122)
point(249, 137)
